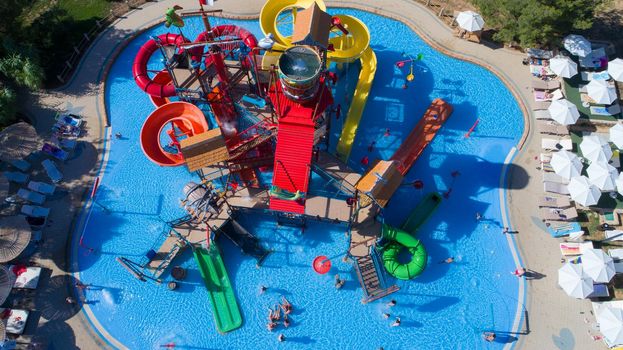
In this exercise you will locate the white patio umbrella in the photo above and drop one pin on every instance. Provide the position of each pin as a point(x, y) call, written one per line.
point(583, 192)
point(563, 67)
point(598, 265)
point(470, 21)
point(573, 280)
point(595, 149)
point(566, 164)
point(602, 175)
point(619, 183)
point(616, 135)
point(615, 69)
point(564, 112)
point(601, 92)
point(610, 321)
point(577, 45)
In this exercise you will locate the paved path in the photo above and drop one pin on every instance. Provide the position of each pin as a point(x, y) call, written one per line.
point(555, 320)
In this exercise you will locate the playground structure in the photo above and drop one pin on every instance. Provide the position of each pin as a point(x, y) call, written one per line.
point(269, 101)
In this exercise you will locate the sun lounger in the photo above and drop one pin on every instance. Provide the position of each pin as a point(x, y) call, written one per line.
point(557, 188)
point(540, 95)
point(26, 277)
point(588, 76)
point(606, 111)
point(16, 176)
point(553, 177)
point(66, 130)
point(41, 187)
point(616, 254)
point(599, 291)
point(68, 143)
point(541, 71)
point(574, 236)
point(542, 114)
point(538, 53)
point(20, 164)
point(69, 119)
point(52, 171)
point(31, 196)
point(573, 248)
point(54, 151)
point(35, 211)
point(552, 128)
point(614, 235)
point(536, 106)
point(545, 85)
point(554, 202)
point(557, 144)
point(15, 320)
point(618, 267)
point(551, 214)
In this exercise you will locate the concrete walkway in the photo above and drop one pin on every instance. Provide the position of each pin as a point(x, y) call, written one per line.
point(555, 321)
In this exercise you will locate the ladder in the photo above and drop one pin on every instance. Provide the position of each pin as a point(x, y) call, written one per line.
point(371, 278)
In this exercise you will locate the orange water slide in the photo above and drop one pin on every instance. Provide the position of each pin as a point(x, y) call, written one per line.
point(184, 117)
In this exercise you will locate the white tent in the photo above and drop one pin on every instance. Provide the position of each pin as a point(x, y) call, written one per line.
point(595, 149)
point(598, 265)
point(563, 67)
point(566, 164)
point(601, 92)
point(583, 192)
point(615, 69)
point(610, 321)
point(602, 175)
point(564, 112)
point(573, 280)
point(577, 45)
point(470, 21)
point(616, 135)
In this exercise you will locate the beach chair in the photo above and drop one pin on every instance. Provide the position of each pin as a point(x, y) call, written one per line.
point(576, 235)
point(540, 95)
point(54, 151)
point(35, 211)
point(553, 187)
point(557, 144)
point(20, 164)
point(545, 158)
point(599, 291)
point(554, 202)
point(15, 320)
point(588, 76)
point(545, 85)
point(52, 171)
point(16, 176)
point(606, 111)
point(573, 248)
point(616, 254)
point(31, 196)
point(41, 187)
point(26, 277)
point(68, 143)
point(552, 128)
point(66, 130)
point(551, 214)
point(537, 106)
point(542, 114)
point(553, 177)
point(613, 235)
point(69, 119)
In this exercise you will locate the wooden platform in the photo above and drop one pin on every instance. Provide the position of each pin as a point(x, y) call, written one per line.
point(345, 177)
point(328, 208)
point(364, 231)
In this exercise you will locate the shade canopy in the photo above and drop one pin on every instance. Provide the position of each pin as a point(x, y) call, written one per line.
point(18, 141)
point(615, 69)
point(598, 265)
point(595, 149)
point(616, 135)
point(601, 92)
point(14, 237)
point(610, 321)
point(566, 164)
point(470, 21)
point(573, 280)
point(603, 175)
point(583, 192)
point(7, 279)
point(563, 67)
point(564, 112)
point(577, 45)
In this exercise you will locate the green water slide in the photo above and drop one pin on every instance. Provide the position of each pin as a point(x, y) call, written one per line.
point(224, 305)
point(422, 212)
point(402, 240)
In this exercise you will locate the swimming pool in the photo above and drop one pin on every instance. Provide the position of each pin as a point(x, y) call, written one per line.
point(446, 305)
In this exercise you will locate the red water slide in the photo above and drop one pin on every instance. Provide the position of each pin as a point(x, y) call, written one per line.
point(139, 69)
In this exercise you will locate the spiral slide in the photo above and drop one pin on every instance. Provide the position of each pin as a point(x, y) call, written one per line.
point(182, 116)
point(399, 241)
point(139, 68)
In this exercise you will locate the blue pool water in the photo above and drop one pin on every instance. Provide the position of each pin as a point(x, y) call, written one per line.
point(447, 305)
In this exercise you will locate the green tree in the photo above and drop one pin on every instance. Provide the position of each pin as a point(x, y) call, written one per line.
point(23, 70)
point(8, 108)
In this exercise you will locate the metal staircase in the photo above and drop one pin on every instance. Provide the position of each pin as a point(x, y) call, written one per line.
point(371, 277)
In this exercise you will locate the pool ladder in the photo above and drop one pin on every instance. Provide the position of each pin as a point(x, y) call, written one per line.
point(371, 277)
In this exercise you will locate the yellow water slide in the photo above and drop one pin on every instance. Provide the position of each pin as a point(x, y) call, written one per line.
point(348, 48)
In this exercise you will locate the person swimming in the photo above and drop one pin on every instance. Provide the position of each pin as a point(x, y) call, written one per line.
point(286, 321)
point(271, 326)
point(286, 305)
point(339, 283)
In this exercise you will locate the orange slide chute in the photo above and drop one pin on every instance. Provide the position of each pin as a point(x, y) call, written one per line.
point(184, 117)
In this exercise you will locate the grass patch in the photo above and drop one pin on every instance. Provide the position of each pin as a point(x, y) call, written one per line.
point(80, 10)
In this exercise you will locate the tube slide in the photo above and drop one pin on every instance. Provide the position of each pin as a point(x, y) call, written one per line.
point(224, 305)
point(270, 14)
point(422, 212)
point(139, 68)
point(401, 240)
point(184, 116)
point(162, 78)
point(222, 30)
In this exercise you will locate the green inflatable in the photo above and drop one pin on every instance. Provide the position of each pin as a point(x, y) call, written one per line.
point(172, 18)
point(399, 240)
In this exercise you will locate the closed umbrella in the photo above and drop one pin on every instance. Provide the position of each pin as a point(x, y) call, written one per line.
point(616, 135)
point(18, 141)
point(602, 175)
point(595, 149)
point(601, 92)
point(564, 112)
point(566, 164)
point(615, 69)
point(598, 265)
point(573, 280)
point(563, 67)
point(577, 45)
point(583, 192)
point(470, 21)
point(14, 237)
point(7, 279)
point(610, 321)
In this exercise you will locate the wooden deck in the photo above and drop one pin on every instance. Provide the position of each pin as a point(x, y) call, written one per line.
point(364, 231)
point(328, 208)
point(345, 177)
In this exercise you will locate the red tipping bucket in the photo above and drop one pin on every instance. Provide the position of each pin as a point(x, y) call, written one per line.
point(321, 264)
